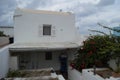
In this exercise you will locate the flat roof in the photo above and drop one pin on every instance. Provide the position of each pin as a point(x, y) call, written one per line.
point(42, 46)
point(6, 26)
point(45, 11)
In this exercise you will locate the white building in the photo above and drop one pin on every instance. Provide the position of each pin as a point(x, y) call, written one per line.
point(42, 39)
point(7, 30)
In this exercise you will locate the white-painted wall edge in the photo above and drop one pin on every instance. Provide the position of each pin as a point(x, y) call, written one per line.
point(112, 64)
point(73, 74)
point(4, 61)
point(88, 75)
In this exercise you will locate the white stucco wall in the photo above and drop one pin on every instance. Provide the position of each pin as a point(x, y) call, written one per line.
point(112, 64)
point(27, 27)
point(37, 60)
point(42, 63)
point(13, 63)
point(87, 74)
point(4, 61)
point(73, 74)
point(7, 31)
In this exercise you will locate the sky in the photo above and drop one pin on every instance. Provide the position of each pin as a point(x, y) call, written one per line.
point(87, 12)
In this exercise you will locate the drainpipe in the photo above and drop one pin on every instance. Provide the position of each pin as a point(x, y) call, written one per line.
point(94, 69)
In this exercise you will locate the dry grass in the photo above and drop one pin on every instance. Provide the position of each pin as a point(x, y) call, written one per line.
point(107, 73)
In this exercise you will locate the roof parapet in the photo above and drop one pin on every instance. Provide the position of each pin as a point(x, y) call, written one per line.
point(44, 11)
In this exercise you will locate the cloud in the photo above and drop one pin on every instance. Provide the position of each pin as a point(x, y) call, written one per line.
point(7, 8)
point(23, 3)
point(105, 2)
point(87, 12)
point(108, 16)
point(6, 11)
point(36, 3)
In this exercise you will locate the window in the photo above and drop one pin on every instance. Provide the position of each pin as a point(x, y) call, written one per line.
point(48, 56)
point(46, 29)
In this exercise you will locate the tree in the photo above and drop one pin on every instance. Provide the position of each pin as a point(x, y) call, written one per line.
point(114, 49)
point(90, 55)
point(98, 50)
point(114, 45)
point(2, 34)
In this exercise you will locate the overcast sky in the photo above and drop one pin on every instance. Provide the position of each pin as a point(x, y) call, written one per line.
point(87, 12)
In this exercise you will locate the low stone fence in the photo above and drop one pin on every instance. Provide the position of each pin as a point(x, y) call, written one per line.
point(4, 41)
point(87, 74)
point(35, 74)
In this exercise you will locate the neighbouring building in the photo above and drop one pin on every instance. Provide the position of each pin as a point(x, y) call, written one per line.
point(7, 30)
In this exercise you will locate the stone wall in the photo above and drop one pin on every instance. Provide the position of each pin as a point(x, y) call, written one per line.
point(4, 41)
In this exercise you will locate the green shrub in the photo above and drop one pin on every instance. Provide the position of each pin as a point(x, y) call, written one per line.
point(15, 73)
point(2, 34)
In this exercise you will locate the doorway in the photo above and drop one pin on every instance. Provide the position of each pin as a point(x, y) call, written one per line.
point(63, 65)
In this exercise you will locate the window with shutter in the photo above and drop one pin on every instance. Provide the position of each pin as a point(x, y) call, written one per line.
point(48, 55)
point(46, 29)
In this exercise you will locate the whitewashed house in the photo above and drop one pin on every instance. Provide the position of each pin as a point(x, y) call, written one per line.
point(41, 38)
